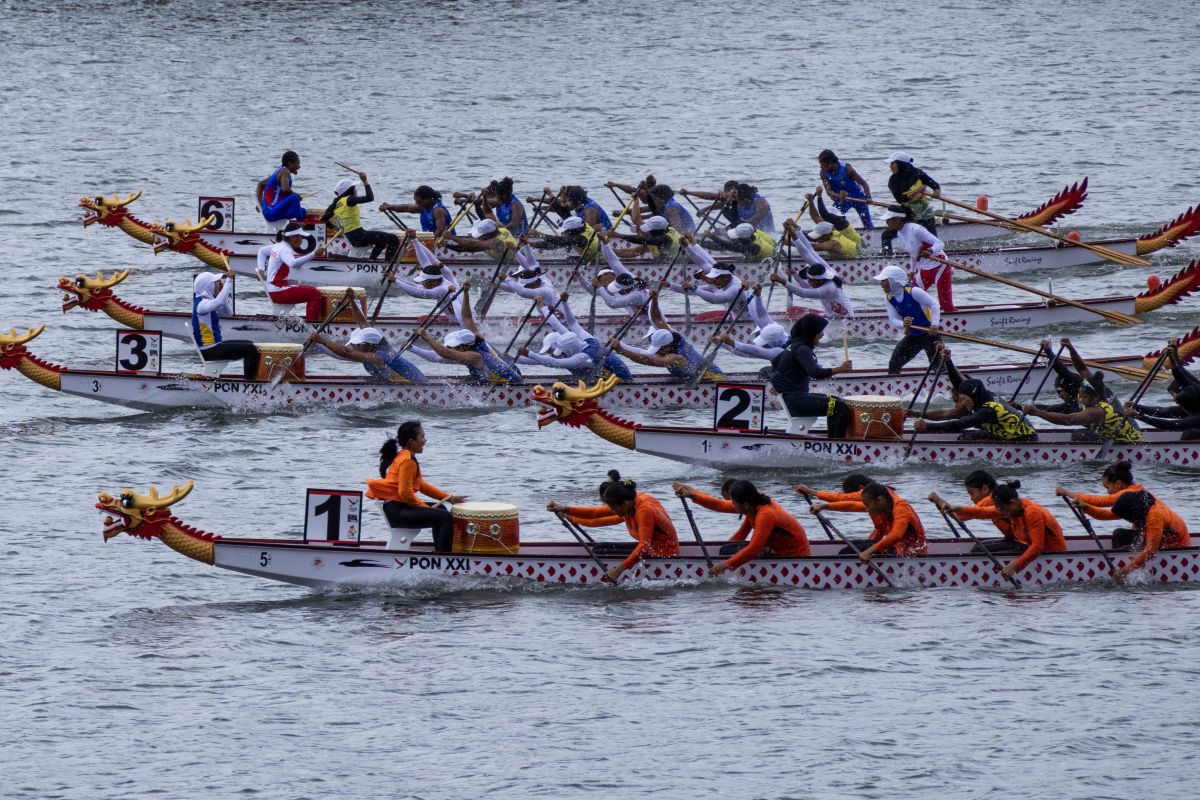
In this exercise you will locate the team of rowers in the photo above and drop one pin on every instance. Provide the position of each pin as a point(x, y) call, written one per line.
point(1028, 529)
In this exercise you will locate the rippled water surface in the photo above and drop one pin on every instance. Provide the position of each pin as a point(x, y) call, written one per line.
point(127, 671)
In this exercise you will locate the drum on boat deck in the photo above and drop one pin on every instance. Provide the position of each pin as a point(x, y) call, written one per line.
point(486, 528)
point(332, 295)
point(875, 416)
point(274, 359)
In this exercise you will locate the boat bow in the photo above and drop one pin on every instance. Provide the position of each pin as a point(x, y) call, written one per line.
point(577, 407)
point(148, 516)
point(14, 355)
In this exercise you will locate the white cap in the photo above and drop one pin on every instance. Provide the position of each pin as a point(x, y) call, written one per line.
point(655, 223)
point(366, 336)
point(889, 214)
point(297, 231)
point(550, 342)
point(820, 272)
point(605, 271)
point(425, 256)
point(900, 155)
point(459, 337)
point(343, 185)
point(650, 332)
point(570, 344)
point(482, 228)
point(891, 272)
point(773, 335)
point(717, 271)
point(570, 224)
point(821, 229)
point(743, 231)
point(661, 338)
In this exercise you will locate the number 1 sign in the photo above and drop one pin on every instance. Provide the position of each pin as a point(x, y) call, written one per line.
point(333, 515)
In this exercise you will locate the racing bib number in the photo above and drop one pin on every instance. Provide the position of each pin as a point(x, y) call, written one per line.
point(139, 352)
point(333, 515)
point(220, 209)
point(740, 407)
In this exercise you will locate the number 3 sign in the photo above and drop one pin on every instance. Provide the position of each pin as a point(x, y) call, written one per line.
point(740, 407)
point(139, 351)
point(333, 515)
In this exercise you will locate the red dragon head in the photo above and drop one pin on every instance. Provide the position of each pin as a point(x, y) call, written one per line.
point(91, 293)
point(572, 406)
point(137, 514)
point(178, 236)
point(105, 210)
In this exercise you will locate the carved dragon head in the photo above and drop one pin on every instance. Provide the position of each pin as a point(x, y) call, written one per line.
point(569, 405)
point(141, 515)
point(105, 210)
point(12, 345)
point(91, 293)
point(178, 236)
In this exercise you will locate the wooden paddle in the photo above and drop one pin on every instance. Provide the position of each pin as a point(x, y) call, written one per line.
point(1100, 250)
point(1112, 316)
point(1087, 526)
point(337, 309)
point(632, 199)
point(937, 373)
point(586, 543)
point(831, 530)
point(696, 531)
point(709, 358)
point(951, 520)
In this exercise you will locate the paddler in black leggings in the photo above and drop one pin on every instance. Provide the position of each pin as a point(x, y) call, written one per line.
point(792, 370)
point(977, 408)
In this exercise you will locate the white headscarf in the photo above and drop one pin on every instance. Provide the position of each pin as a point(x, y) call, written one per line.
point(204, 284)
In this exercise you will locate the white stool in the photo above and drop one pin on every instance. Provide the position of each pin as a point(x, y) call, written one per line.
point(800, 425)
point(400, 537)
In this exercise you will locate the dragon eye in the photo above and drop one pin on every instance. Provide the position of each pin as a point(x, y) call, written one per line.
point(99, 199)
point(79, 282)
point(559, 394)
point(126, 501)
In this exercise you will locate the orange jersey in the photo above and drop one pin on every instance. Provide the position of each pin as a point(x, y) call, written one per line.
point(718, 504)
point(986, 509)
point(402, 482)
point(649, 525)
point(1164, 530)
point(1106, 500)
point(774, 528)
point(899, 531)
point(1038, 530)
point(593, 516)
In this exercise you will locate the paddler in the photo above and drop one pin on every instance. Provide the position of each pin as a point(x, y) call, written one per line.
point(725, 201)
point(845, 185)
point(920, 244)
point(979, 415)
point(980, 484)
point(668, 350)
point(427, 202)
point(642, 514)
point(212, 298)
point(500, 204)
point(369, 347)
point(432, 282)
point(1185, 391)
point(400, 482)
point(275, 263)
point(754, 210)
point(844, 235)
point(744, 238)
point(1117, 478)
point(768, 343)
point(775, 531)
point(908, 308)
point(1155, 527)
point(722, 504)
point(796, 365)
point(485, 236)
point(908, 184)
point(663, 199)
point(274, 194)
point(1099, 417)
point(345, 209)
point(898, 530)
point(529, 280)
point(587, 209)
point(655, 237)
point(619, 288)
point(573, 234)
point(467, 346)
point(574, 349)
point(824, 284)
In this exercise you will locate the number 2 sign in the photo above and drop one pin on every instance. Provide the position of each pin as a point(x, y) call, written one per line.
point(740, 407)
point(333, 515)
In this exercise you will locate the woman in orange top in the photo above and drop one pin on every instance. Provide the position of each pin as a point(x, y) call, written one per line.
point(605, 519)
point(1117, 479)
point(898, 529)
point(773, 528)
point(401, 480)
point(1032, 525)
point(722, 504)
point(1157, 525)
point(980, 484)
point(644, 516)
point(852, 486)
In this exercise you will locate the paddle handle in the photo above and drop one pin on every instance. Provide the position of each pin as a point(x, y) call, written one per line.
point(1087, 526)
point(696, 531)
point(952, 520)
point(582, 541)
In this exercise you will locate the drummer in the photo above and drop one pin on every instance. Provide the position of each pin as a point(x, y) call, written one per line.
point(796, 365)
point(468, 347)
point(212, 294)
point(275, 263)
point(898, 530)
point(369, 347)
point(345, 209)
point(644, 516)
point(979, 415)
point(400, 481)
point(775, 531)
point(909, 309)
point(435, 217)
point(276, 199)
point(1155, 527)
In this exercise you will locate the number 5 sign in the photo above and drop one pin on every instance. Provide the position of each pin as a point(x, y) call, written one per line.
point(740, 407)
point(220, 209)
point(333, 515)
point(139, 351)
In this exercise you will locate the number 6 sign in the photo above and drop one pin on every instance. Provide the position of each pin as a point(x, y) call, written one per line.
point(333, 515)
point(740, 407)
point(220, 209)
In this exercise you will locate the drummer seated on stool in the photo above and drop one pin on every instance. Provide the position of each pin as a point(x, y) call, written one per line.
point(792, 370)
point(400, 482)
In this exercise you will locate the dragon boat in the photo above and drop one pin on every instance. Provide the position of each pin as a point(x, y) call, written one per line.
point(154, 390)
point(768, 448)
point(96, 294)
point(212, 246)
point(324, 564)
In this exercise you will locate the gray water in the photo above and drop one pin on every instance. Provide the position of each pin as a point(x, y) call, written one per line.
point(128, 671)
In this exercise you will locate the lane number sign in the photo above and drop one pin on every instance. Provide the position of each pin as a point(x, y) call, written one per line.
point(333, 515)
point(139, 352)
point(221, 208)
point(740, 407)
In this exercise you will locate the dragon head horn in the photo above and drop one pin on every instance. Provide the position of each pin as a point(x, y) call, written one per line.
point(128, 199)
point(153, 501)
point(101, 282)
point(186, 227)
point(12, 338)
point(601, 387)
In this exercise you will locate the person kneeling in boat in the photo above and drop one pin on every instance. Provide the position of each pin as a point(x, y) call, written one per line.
point(1155, 527)
point(564, 348)
point(276, 200)
point(1101, 421)
point(642, 514)
point(823, 284)
point(654, 236)
point(980, 484)
point(399, 482)
point(913, 311)
point(669, 350)
point(796, 365)
point(369, 347)
point(212, 298)
point(976, 407)
point(467, 346)
point(775, 531)
point(898, 530)
point(744, 238)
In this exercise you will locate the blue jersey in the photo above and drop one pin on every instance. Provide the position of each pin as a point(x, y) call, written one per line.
point(745, 212)
point(398, 369)
point(495, 368)
point(907, 306)
point(504, 214)
point(427, 223)
point(601, 216)
point(612, 364)
point(695, 362)
point(683, 221)
point(840, 181)
point(206, 328)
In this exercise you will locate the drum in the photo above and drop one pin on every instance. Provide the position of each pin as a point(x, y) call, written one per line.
point(274, 359)
point(875, 416)
point(486, 528)
point(332, 295)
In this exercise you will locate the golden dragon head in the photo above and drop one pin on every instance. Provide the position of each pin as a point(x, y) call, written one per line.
point(141, 515)
point(178, 236)
point(569, 405)
point(12, 345)
point(89, 292)
point(105, 210)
